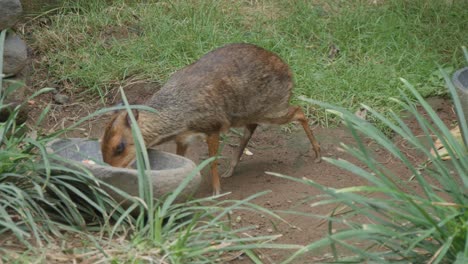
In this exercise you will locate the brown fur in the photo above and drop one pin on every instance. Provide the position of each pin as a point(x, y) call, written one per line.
point(238, 85)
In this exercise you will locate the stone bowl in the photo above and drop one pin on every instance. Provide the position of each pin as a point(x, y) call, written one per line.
point(168, 170)
point(460, 80)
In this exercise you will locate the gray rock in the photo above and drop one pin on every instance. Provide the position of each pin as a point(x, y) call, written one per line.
point(61, 98)
point(10, 10)
point(22, 115)
point(13, 98)
point(15, 55)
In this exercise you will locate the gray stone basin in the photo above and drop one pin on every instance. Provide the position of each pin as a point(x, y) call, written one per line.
point(168, 170)
point(460, 80)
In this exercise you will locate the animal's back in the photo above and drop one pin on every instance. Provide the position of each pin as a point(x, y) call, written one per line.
point(236, 85)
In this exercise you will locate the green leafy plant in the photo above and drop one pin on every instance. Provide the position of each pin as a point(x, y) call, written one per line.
point(39, 198)
point(428, 224)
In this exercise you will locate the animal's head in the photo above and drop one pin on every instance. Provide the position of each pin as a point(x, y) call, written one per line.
point(117, 145)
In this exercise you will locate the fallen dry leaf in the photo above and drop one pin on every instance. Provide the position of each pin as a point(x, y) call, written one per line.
point(440, 148)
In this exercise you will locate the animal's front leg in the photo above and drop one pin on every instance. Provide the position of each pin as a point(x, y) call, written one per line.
point(248, 131)
point(181, 148)
point(213, 144)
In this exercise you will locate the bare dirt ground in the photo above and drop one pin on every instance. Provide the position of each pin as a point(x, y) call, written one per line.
point(274, 150)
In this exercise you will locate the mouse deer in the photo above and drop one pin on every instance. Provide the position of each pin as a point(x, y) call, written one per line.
point(237, 85)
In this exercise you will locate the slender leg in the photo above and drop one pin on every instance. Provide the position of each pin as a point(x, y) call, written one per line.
point(295, 113)
point(181, 148)
point(248, 131)
point(300, 116)
point(213, 143)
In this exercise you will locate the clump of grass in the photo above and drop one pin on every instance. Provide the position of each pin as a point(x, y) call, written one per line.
point(403, 224)
point(200, 231)
point(96, 44)
point(40, 197)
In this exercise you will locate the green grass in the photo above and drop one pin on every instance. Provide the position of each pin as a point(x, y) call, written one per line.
point(95, 46)
point(394, 221)
point(39, 197)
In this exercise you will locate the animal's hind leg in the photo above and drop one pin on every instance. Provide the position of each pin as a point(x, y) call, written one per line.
point(248, 131)
point(295, 113)
point(300, 116)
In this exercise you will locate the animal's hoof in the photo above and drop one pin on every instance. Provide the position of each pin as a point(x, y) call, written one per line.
point(318, 155)
point(228, 173)
point(216, 192)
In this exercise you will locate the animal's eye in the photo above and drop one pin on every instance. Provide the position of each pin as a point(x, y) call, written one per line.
point(120, 148)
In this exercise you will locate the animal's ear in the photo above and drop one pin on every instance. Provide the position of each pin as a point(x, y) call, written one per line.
point(135, 114)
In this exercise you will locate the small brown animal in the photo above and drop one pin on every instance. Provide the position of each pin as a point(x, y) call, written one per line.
point(238, 85)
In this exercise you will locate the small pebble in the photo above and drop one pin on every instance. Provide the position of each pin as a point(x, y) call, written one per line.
point(61, 98)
